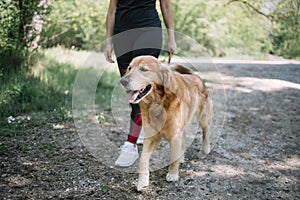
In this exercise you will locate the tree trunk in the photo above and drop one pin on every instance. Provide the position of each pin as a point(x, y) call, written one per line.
point(36, 25)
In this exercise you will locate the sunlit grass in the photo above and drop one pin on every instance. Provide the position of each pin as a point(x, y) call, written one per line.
point(46, 87)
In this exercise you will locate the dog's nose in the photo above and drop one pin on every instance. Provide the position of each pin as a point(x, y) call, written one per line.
point(124, 81)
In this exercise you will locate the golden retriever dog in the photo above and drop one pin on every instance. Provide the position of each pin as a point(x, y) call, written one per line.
point(168, 98)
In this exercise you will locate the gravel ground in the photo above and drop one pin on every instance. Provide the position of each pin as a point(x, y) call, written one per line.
point(256, 152)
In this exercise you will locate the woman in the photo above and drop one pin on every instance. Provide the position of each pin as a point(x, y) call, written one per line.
point(133, 28)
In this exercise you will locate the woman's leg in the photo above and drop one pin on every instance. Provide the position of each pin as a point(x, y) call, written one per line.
point(149, 42)
point(123, 50)
point(135, 115)
point(135, 123)
point(123, 44)
point(140, 47)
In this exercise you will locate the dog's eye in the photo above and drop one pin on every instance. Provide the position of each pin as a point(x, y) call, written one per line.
point(144, 69)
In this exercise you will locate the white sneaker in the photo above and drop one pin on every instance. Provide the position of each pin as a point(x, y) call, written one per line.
point(128, 155)
point(140, 140)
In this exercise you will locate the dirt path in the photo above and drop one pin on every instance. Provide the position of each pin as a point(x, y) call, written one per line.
point(257, 156)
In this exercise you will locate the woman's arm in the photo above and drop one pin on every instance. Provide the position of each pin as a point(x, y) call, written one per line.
point(166, 9)
point(110, 22)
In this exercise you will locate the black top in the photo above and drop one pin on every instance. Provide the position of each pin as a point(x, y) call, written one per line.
point(136, 14)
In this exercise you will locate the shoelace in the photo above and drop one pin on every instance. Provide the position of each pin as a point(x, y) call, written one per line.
point(121, 147)
point(124, 148)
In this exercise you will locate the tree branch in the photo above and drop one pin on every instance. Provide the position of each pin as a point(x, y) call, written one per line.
point(249, 5)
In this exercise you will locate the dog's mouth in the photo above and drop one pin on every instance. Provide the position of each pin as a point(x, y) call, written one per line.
point(137, 95)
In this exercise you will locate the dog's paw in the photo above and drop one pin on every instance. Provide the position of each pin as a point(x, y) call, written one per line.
point(141, 185)
point(172, 177)
point(206, 149)
point(143, 182)
point(182, 159)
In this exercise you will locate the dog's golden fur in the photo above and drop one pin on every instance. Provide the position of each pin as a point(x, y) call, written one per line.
point(167, 108)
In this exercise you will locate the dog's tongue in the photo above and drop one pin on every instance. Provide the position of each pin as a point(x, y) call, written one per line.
point(131, 96)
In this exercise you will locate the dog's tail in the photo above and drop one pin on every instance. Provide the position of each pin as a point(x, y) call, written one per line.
point(183, 70)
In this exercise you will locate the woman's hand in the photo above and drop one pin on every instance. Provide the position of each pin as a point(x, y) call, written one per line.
point(108, 52)
point(172, 46)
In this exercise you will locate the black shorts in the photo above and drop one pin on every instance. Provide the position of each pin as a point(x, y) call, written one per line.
point(136, 42)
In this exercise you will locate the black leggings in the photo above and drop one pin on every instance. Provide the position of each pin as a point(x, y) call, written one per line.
point(128, 45)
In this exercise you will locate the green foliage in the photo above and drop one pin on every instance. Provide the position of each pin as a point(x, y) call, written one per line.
point(246, 32)
point(45, 87)
point(15, 19)
point(9, 24)
point(12, 60)
point(286, 26)
point(221, 28)
point(283, 17)
point(44, 91)
point(75, 23)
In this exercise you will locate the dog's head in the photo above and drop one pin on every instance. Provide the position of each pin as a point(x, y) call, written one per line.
point(143, 73)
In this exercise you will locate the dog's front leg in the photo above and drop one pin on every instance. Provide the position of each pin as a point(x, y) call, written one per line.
point(148, 147)
point(143, 180)
point(176, 151)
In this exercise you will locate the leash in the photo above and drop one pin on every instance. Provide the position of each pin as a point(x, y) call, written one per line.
point(169, 60)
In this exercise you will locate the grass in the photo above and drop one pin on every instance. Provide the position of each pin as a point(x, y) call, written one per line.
point(39, 95)
point(43, 90)
point(105, 89)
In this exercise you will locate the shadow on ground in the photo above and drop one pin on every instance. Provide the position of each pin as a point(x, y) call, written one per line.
point(256, 156)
